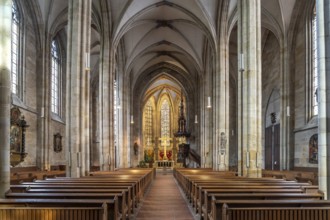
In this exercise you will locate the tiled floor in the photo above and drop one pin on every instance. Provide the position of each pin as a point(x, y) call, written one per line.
point(164, 201)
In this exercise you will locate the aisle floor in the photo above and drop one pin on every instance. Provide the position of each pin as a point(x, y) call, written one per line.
point(164, 201)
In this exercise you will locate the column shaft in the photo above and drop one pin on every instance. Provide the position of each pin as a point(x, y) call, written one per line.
point(77, 112)
point(5, 92)
point(249, 35)
point(323, 20)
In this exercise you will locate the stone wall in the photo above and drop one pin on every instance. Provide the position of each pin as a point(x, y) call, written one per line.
point(304, 126)
point(30, 103)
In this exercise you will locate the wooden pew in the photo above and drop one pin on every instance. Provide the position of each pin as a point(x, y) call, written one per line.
point(207, 204)
point(200, 187)
point(206, 194)
point(30, 188)
point(26, 186)
point(125, 207)
point(70, 196)
point(270, 209)
point(41, 209)
point(299, 175)
point(136, 193)
point(196, 192)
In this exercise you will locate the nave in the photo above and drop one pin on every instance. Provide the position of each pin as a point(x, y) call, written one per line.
point(178, 194)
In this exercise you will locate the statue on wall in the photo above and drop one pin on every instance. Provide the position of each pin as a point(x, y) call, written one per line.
point(57, 142)
point(136, 149)
point(18, 127)
point(313, 149)
point(223, 142)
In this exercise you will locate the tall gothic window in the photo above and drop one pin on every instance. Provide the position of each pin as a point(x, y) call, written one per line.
point(148, 123)
point(315, 83)
point(55, 78)
point(115, 108)
point(165, 119)
point(16, 75)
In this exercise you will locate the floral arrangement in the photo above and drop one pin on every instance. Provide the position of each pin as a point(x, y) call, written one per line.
point(149, 156)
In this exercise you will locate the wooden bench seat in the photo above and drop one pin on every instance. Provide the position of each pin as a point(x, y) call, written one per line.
point(198, 187)
point(132, 202)
point(138, 187)
point(81, 196)
point(193, 185)
point(41, 209)
point(201, 187)
point(270, 209)
point(198, 198)
point(189, 182)
point(27, 175)
point(206, 194)
point(205, 207)
point(125, 208)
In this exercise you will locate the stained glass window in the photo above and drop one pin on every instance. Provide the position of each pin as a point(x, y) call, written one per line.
point(55, 78)
point(165, 119)
point(315, 83)
point(15, 48)
point(148, 123)
point(115, 109)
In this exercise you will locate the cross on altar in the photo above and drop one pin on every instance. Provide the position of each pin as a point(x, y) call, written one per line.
point(165, 141)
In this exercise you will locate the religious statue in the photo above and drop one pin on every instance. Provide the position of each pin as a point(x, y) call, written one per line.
point(223, 142)
point(57, 142)
point(313, 149)
point(136, 148)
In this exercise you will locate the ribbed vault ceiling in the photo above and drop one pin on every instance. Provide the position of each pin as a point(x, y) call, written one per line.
point(154, 32)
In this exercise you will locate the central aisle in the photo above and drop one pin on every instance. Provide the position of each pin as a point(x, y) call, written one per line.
point(164, 201)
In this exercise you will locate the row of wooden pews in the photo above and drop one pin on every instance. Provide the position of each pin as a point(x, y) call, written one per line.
point(102, 195)
point(27, 174)
point(224, 196)
point(298, 175)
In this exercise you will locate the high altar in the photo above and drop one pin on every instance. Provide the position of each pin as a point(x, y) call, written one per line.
point(167, 155)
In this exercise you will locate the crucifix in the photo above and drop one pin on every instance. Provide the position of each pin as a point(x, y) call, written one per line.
point(165, 141)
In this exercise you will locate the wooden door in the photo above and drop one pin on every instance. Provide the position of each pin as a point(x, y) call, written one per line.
point(272, 147)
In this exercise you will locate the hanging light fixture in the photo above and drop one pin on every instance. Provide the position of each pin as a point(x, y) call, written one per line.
point(196, 121)
point(209, 102)
point(87, 61)
point(132, 119)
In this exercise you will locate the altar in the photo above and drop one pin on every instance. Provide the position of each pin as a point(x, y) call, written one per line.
point(166, 154)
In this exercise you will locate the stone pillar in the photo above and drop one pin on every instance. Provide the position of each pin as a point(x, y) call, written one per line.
point(221, 89)
point(77, 99)
point(250, 87)
point(107, 63)
point(208, 150)
point(323, 39)
point(5, 93)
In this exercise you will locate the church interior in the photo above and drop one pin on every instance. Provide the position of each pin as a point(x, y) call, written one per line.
point(109, 104)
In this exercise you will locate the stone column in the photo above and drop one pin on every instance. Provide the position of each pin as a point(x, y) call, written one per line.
point(249, 102)
point(106, 77)
point(323, 39)
point(208, 149)
point(222, 93)
point(5, 93)
point(77, 111)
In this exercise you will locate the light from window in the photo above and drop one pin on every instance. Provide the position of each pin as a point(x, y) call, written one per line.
point(55, 78)
point(315, 83)
point(15, 45)
point(115, 114)
point(165, 119)
point(148, 123)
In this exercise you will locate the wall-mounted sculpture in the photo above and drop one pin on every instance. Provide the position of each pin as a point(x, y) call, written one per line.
point(17, 137)
point(57, 142)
